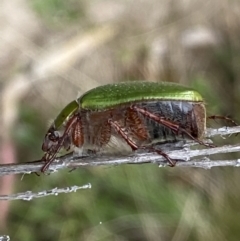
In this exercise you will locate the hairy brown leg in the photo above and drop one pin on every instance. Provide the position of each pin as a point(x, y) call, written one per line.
point(120, 131)
point(220, 117)
point(135, 125)
point(134, 146)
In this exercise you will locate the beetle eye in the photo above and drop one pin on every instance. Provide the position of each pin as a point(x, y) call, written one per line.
point(53, 136)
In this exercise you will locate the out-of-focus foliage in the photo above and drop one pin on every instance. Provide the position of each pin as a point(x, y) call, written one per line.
point(59, 12)
point(192, 42)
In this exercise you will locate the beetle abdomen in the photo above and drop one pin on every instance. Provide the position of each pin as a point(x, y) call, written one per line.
point(143, 130)
point(188, 115)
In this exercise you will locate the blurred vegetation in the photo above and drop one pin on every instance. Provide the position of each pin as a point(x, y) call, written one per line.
point(132, 202)
point(59, 13)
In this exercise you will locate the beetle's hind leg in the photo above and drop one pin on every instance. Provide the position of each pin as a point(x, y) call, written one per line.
point(115, 125)
point(176, 128)
point(220, 117)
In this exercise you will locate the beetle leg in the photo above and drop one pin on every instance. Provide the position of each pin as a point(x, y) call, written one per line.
point(77, 133)
point(171, 161)
point(120, 131)
point(134, 146)
point(49, 156)
point(214, 117)
point(135, 124)
point(169, 124)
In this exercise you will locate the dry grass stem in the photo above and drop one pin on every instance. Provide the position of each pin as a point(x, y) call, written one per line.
point(29, 195)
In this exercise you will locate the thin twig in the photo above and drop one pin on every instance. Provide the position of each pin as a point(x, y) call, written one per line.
point(72, 161)
point(29, 195)
point(192, 158)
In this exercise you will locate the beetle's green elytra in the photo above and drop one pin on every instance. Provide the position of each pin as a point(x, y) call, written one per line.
point(111, 95)
point(65, 113)
point(140, 114)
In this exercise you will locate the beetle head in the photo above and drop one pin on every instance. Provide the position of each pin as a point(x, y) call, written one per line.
point(51, 139)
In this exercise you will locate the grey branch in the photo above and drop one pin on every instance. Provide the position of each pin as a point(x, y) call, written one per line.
point(29, 195)
point(190, 158)
point(4, 238)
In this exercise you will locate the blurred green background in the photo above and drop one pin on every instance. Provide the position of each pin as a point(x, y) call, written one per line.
point(54, 50)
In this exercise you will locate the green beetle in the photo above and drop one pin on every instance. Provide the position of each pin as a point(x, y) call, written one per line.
point(140, 113)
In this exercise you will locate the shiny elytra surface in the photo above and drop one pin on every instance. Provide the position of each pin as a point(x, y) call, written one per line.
point(65, 113)
point(111, 95)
